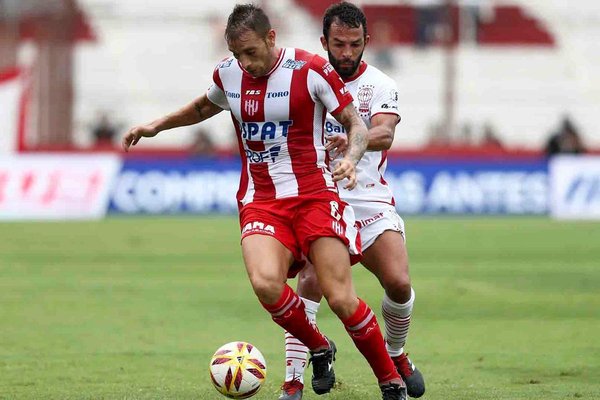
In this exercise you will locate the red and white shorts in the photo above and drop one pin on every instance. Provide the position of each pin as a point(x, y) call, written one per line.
point(298, 221)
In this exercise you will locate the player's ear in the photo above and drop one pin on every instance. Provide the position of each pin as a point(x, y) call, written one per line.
point(367, 39)
point(324, 43)
point(271, 35)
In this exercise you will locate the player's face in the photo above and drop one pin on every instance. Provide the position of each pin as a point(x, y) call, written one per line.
point(345, 47)
point(254, 53)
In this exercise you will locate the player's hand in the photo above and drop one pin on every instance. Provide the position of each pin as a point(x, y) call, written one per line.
point(336, 143)
point(136, 133)
point(345, 169)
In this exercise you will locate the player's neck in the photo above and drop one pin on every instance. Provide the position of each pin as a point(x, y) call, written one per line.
point(275, 54)
point(359, 70)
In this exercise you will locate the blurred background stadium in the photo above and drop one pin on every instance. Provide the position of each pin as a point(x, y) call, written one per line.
point(469, 74)
point(498, 84)
point(500, 105)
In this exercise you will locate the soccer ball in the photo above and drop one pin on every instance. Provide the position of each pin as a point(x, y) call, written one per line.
point(238, 370)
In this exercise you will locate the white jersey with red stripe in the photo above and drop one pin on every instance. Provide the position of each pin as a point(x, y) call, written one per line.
point(374, 93)
point(279, 123)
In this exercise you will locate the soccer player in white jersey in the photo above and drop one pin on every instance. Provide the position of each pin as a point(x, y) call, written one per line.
point(288, 199)
point(381, 228)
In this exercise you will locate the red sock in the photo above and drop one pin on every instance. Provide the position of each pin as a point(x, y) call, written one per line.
point(364, 331)
point(288, 312)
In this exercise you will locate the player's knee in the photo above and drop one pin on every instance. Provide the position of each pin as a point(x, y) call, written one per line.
point(267, 289)
point(341, 304)
point(308, 285)
point(398, 288)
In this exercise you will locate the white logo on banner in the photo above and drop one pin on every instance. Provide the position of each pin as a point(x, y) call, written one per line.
point(575, 182)
point(486, 191)
point(160, 191)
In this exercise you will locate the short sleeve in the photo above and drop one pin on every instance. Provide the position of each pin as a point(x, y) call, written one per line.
point(215, 92)
point(326, 86)
point(385, 100)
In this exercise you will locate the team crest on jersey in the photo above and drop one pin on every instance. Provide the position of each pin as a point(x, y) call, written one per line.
point(365, 95)
point(225, 64)
point(251, 107)
point(293, 64)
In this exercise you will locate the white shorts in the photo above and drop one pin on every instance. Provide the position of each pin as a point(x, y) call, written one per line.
point(374, 218)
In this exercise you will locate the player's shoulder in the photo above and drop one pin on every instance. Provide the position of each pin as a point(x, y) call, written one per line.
point(295, 59)
point(377, 77)
point(301, 55)
point(310, 60)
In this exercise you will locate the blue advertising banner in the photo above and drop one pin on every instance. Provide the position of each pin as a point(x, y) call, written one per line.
point(200, 186)
point(175, 186)
point(462, 187)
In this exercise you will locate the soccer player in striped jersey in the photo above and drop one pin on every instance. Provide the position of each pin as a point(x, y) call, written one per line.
point(288, 199)
point(381, 228)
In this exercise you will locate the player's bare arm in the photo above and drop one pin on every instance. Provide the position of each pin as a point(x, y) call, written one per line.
point(381, 134)
point(197, 111)
point(357, 145)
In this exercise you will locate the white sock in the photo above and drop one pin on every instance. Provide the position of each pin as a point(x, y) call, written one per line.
point(397, 321)
point(295, 351)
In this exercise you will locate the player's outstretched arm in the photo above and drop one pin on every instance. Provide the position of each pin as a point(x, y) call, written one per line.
point(196, 111)
point(357, 144)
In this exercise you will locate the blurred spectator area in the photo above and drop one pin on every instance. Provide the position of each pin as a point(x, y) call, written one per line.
point(51, 28)
point(505, 25)
point(518, 66)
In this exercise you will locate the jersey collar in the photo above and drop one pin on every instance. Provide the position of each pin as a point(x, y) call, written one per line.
point(361, 69)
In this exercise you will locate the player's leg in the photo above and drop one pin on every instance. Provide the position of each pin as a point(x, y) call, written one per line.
point(308, 284)
point(267, 261)
point(295, 352)
point(269, 248)
point(386, 257)
point(325, 229)
point(332, 263)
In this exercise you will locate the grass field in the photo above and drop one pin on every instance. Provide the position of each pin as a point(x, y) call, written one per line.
point(133, 309)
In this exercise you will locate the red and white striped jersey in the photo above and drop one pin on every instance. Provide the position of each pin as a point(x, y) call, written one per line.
point(279, 123)
point(374, 93)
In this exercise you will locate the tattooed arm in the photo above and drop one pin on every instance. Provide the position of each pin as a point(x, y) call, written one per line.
point(357, 144)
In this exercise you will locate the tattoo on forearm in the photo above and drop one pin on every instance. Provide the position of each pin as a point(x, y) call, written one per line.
point(357, 139)
point(198, 108)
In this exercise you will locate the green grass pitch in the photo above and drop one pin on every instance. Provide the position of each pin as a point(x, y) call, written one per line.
point(132, 308)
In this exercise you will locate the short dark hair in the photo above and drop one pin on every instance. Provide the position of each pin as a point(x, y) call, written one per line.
point(246, 17)
point(347, 14)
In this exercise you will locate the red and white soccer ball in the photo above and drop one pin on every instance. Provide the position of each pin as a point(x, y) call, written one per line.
point(238, 370)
